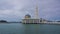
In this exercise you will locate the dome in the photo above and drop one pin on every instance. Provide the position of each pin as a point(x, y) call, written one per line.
point(28, 15)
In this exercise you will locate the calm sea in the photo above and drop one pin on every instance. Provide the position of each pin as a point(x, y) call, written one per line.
point(18, 28)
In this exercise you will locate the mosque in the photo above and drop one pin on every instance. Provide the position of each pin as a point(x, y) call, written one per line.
point(28, 20)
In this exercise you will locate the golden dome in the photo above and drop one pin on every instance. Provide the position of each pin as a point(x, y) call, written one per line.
point(27, 16)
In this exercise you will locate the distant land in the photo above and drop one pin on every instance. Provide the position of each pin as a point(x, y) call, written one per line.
point(5, 21)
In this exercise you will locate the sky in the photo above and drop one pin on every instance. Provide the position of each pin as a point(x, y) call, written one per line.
point(15, 10)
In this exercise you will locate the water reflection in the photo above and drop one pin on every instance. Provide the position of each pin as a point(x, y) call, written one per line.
point(31, 29)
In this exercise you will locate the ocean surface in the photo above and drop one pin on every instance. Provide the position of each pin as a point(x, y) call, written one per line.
point(19, 28)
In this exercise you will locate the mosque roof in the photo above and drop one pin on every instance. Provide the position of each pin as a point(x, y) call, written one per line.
point(27, 15)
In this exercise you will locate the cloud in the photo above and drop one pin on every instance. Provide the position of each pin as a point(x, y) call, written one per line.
point(11, 15)
point(14, 10)
point(49, 9)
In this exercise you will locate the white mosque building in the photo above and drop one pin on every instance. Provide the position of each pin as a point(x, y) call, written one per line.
point(36, 20)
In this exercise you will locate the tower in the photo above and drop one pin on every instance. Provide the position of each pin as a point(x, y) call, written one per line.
point(36, 11)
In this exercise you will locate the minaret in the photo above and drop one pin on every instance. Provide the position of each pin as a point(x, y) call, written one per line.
point(36, 11)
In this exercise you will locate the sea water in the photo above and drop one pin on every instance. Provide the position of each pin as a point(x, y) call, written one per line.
point(19, 28)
